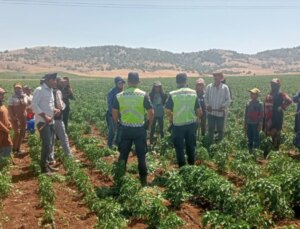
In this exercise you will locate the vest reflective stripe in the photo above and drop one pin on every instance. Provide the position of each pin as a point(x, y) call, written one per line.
point(184, 100)
point(131, 102)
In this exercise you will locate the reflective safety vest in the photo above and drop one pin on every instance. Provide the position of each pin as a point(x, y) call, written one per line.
point(131, 102)
point(184, 100)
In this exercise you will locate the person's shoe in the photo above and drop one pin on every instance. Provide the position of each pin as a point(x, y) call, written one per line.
point(52, 169)
point(143, 180)
point(52, 162)
point(46, 171)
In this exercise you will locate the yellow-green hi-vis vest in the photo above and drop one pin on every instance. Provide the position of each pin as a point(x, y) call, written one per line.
point(184, 100)
point(131, 102)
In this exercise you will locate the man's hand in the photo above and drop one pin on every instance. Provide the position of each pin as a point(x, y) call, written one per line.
point(259, 127)
point(47, 119)
point(209, 108)
point(56, 112)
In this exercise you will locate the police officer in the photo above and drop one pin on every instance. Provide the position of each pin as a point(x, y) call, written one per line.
point(183, 111)
point(131, 105)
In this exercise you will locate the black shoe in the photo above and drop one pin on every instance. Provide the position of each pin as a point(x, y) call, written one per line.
point(143, 180)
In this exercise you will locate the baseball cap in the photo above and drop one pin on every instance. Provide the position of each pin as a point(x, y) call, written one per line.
point(200, 81)
point(276, 81)
point(157, 83)
point(254, 90)
point(119, 79)
point(18, 85)
point(50, 76)
point(2, 91)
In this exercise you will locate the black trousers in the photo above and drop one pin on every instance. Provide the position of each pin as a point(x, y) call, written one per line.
point(66, 113)
point(136, 135)
point(184, 137)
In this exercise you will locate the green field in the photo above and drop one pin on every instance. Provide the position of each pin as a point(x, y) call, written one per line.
point(232, 188)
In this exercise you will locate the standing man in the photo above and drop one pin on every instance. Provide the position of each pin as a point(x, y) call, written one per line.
point(131, 104)
point(59, 126)
point(183, 111)
point(43, 107)
point(68, 95)
point(113, 131)
point(158, 99)
point(274, 105)
point(5, 126)
point(296, 99)
point(17, 105)
point(217, 100)
point(200, 89)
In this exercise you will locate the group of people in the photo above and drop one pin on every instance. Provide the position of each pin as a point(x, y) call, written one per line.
point(49, 105)
point(131, 112)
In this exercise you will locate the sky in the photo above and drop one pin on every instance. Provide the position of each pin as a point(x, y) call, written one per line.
point(178, 26)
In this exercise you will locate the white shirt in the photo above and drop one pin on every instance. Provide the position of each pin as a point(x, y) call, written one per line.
point(217, 97)
point(43, 102)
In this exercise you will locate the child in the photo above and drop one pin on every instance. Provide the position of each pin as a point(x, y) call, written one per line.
point(253, 119)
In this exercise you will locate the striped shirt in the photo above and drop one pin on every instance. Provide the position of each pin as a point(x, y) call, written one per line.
point(216, 98)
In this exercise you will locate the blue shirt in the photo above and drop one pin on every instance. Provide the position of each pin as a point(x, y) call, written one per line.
point(111, 96)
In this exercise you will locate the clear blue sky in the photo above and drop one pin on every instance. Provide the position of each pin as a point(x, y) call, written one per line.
point(178, 26)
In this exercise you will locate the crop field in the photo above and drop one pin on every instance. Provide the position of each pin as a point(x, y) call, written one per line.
point(227, 188)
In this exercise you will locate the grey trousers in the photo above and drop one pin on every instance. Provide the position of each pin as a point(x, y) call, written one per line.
point(60, 132)
point(215, 123)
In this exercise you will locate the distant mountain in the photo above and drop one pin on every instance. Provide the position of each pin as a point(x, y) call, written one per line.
point(104, 59)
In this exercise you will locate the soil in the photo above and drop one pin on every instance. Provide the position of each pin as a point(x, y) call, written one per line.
point(21, 208)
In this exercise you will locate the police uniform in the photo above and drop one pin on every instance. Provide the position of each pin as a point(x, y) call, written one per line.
point(183, 103)
point(132, 103)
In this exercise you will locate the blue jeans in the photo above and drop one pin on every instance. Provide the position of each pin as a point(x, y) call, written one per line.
point(46, 134)
point(113, 132)
point(184, 137)
point(253, 136)
point(213, 123)
point(60, 132)
point(136, 135)
point(5, 151)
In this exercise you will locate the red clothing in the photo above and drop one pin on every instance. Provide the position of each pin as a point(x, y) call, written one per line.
point(5, 126)
point(273, 107)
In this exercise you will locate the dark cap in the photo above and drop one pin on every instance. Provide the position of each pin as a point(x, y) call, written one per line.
point(133, 77)
point(119, 79)
point(50, 76)
point(181, 78)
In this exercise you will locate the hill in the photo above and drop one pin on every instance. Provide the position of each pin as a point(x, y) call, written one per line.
point(112, 60)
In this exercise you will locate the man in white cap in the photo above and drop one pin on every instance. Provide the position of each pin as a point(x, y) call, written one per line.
point(44, 109)
point(217, 100)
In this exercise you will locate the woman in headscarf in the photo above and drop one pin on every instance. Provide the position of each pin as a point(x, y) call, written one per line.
point(158, 99)
point(274, 105)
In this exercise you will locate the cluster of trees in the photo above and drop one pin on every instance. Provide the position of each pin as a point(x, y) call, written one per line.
point(118, 57)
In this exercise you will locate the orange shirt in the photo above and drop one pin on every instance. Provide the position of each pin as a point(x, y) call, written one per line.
point(5, 126)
